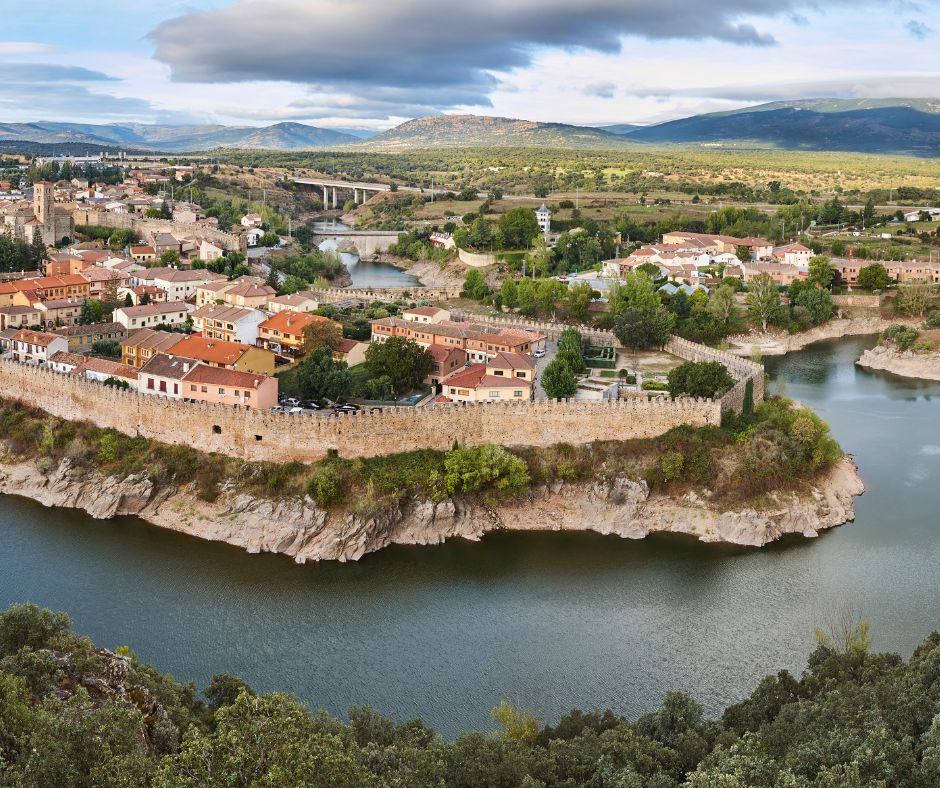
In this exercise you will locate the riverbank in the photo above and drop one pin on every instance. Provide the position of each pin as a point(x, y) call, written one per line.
point(298, 528)
point(780, 343)
point(428, 272)
point(906, 363)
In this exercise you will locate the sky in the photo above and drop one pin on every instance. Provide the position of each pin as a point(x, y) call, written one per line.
point(371, 64)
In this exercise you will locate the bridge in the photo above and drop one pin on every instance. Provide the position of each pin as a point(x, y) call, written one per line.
point(330, 188)
point(367, 242)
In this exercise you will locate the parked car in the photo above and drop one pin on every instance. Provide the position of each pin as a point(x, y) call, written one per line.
point(278, 409)
point(375, 410)
point(296, 411)
point(346, 408)
point(292, 402)
point(538, 353)
point(312, 406)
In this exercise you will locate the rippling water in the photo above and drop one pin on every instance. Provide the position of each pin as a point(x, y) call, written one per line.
point(553, 621)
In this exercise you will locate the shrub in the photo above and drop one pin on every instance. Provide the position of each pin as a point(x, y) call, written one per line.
point(706, 379)
point(30, 626)
point(903, 337)
point(325, 486)
point(654, 385)
point(671, 464)
point(471, 470)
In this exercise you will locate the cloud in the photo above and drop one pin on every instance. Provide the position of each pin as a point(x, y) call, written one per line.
point(343, 47)
point(24, 48)
point(67, 101)
point(600, 89)
point(49, 72)
point(925, 86)
point(919, 29)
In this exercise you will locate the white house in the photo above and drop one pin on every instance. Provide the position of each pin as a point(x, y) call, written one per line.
point(209, 251)
point(169, 313)
point(253, 236)
point(544, 217)
point(36, 347)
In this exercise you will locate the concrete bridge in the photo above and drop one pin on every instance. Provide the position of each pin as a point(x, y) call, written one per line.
point(367, 242)
point(330, 187)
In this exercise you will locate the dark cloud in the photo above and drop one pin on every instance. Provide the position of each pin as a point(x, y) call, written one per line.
point(432, 56)
point(918, 29)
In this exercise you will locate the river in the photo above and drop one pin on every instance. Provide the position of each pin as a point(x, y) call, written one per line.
point(364, 273)
point(552, 621)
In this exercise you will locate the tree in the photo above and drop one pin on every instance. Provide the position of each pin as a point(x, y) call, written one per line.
point(763, 300)
point(128, 300)
point(570, 349)
point(723, 307)
point(558, 380)
point(119, 239)
point(509, 292)
point(92, 311)
point(145, 299)
point(868, 213)
point(170, 258)
point(638, 330)
point(403, 361)
point(269, 239)
point(578, 301)
point(743, 254)
point(519, 228)
point(637, 292)
point(706, 379)
point(820, 271)
point(539, 257)
point(319, 377)
point(322, 333)
point(474, 285)
point(874, 277)
point(912, 297)
point(817, 302)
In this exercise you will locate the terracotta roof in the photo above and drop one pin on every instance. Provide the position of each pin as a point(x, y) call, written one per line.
point(90, 330)
point(158, 308)
point(348, 345)
point(151, 339)
point(216, 376)
point(215, 351)
point(104, 366)
point(288, 321)
point(143, 250)
point(35, 337)
point(424, 311)
point(251, 290)
point(443, 352)
point(164, 365)
point(476, 377)
point(504, 360)
point(220, 312)
point(64, 357)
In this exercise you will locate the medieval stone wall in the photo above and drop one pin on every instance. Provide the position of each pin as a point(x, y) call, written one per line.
point(144, 226)
point(253, 435)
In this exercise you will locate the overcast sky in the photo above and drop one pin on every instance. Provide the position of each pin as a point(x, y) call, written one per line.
point(371, 64)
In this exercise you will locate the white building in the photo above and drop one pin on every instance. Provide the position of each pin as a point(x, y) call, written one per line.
point(169, 313)
point(544, 217)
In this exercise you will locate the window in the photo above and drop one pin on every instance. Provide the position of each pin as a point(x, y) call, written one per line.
point(221, 392)
point(204, 389)
point(517, 393)
point(150, 383)
point(494, 395)
point(192, 388)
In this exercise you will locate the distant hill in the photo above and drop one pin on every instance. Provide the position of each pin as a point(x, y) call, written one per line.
point(864, 125)
point(281, 136)
point(620, 128)
point(486, 132)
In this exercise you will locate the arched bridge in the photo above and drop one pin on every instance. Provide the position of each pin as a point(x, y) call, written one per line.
point(367, 242)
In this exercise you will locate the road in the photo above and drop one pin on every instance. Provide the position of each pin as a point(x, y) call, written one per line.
point(551, 350)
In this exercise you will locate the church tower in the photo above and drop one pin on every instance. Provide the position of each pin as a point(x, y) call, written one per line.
point(44, 203)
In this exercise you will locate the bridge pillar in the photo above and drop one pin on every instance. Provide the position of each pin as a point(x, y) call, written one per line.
point(334, 198)
point(326, 197)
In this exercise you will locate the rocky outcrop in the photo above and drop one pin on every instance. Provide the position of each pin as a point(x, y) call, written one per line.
point(906, 363)
point(297, 527)
point(779, 343)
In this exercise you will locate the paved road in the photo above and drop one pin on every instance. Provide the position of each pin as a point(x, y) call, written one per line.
point(551, 350)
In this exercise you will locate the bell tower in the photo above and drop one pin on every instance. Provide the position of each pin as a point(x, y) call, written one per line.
point(44, 202)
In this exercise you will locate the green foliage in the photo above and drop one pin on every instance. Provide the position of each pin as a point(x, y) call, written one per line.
point(518, 227)
point(404, 362)
point(874, 277)
point(817, 302)
point(913, 297)
point(325, 486)
point(469, 470)
point(474, 285)
point(820, 271)
point(319, 377)
point(763, 300)
point(516, 724)
point(706, 379)
point(32, 627)
point(558, 380)
point(108, 348)
point(903, 337)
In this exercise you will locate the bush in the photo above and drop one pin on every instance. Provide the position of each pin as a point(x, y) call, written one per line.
point(654, 385)
point(902, 337)
point(325, 486)
point(471, 470)
point(30, 626)
point(706, 379)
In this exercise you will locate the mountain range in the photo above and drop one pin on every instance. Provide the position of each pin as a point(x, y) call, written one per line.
point(909, 126)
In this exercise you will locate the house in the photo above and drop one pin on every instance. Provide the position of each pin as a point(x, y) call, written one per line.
point(425, 314)
point(36, 347)
point(82, 337)
point(163, 375)
point(780, 273)
point(231, 323)
point(65, 363)
point(60, 311)
point(179, 285)
point(507, 377)
point(20, 317)
point(253, 236)
point(156, 295)
point(209, 251)
point(49, 287)
point(212, 292)
point(283, 332)
point(544, 217)
point(251, 220)
point(249, 292)
point(103, 283)
point(217, 386)
point(186, 213)
point(102, 369)
point(296, 302)
point(144, 344)
point(443, 240)
point(351, 351)
point(447, 361)
point(165, 242)
point(143, 254)
point(480, 342)
point(168, 313)
point(794, 254)
point(230, 355)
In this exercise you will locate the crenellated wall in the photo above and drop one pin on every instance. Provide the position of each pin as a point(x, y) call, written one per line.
point(254, 435)
point(144, 225)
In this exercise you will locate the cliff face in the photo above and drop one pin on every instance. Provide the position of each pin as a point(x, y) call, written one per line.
point(297, 527)
point(925, 366)
point(779, 343)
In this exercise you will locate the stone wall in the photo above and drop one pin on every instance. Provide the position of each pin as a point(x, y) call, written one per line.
point(549, 329)
point(416, 293)
point(741, 370)
point(475, 259)
point(254, 435)
point(869, 301)
point(144, 226)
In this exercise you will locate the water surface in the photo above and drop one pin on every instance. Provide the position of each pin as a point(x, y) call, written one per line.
point(553, 621)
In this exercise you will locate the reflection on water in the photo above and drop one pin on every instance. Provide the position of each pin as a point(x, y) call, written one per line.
point(554, 620)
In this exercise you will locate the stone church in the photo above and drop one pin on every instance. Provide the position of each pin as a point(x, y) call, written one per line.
point(42, 218)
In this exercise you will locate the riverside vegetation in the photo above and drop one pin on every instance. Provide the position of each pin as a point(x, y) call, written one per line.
point(75, 715)
point(774, 447)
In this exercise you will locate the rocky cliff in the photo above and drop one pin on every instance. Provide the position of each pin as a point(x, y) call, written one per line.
point(779, 343)
point(297, 527)
point(905, 363)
